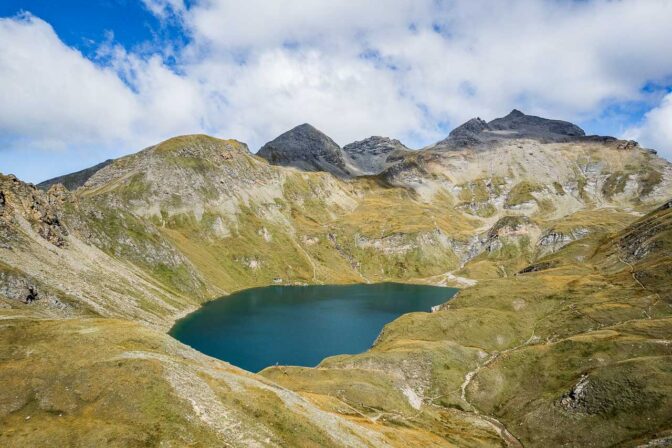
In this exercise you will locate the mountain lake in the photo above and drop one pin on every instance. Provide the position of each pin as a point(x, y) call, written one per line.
point(300, 325)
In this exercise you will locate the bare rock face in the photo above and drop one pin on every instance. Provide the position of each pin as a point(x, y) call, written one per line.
point(374, 154)
point(516, 125)
point(646, 237)
point(306, 148)
point(553, 240)
point(15, 287)
point(575, 399)
point(467, 134)
point(18, 199)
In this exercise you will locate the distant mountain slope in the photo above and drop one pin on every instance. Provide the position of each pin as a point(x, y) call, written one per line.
point(74, 180)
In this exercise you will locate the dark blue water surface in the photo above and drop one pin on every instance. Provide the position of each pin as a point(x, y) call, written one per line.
point(300, 325)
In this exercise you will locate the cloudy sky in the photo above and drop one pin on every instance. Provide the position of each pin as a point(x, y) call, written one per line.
point(86, 80)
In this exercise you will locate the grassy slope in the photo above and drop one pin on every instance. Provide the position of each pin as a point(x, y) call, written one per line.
point(528, 341)
point(92, 382)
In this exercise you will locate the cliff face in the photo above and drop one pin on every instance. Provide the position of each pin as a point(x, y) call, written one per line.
point(559, 341)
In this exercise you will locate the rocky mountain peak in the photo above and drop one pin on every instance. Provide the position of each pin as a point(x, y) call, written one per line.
point(374, 146)
point(191, 146)
point(374, 154)
point(515, 113)
point(516, 125)
point(530, 126)
point(307, 148)
point(177, 163)
point(475, 125)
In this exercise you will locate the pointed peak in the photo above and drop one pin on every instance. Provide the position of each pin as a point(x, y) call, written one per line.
point(307, 148)
point(306, 130)
point(306, 126)
point(515, 113)
point(475, 125)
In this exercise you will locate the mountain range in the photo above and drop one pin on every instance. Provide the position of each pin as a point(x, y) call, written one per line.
point(561, 334)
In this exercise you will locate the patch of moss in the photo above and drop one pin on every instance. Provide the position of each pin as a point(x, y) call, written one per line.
point(522, 192)
point(135, 188)
point(614, 184)
point(475, 191)
point(649, 181)
point(559, 190)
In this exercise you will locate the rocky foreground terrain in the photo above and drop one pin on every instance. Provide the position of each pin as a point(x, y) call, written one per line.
point(562, 335)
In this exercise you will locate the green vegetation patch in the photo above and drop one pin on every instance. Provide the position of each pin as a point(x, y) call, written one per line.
point(649, 181)
point(522, 192)
point(614, 184)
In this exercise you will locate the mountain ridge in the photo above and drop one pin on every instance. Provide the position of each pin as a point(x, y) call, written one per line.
point(307, 148)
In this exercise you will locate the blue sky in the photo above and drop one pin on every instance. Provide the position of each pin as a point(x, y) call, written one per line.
point(82, 81)
point(84, 24)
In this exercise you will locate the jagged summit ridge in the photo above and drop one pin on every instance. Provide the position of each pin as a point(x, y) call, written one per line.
point(515, 125)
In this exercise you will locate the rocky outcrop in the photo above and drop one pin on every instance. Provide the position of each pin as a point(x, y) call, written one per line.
point(17, 288)
point(375, 154)
point(508, 228)
point(552, 240)
point(409, 171)
point(306, 148)
point(575, 399)
point(25, 290)
point(646, 237)
point(21, 201)
point(538, 267)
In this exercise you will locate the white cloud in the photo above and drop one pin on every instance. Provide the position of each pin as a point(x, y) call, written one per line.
point(49, 90)
point(656, 129)
point(453, 60)
point(164, 9)
point(404, 68)
point(54, 98)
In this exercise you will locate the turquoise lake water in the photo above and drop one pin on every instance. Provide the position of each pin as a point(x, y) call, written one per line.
point(300, 325)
